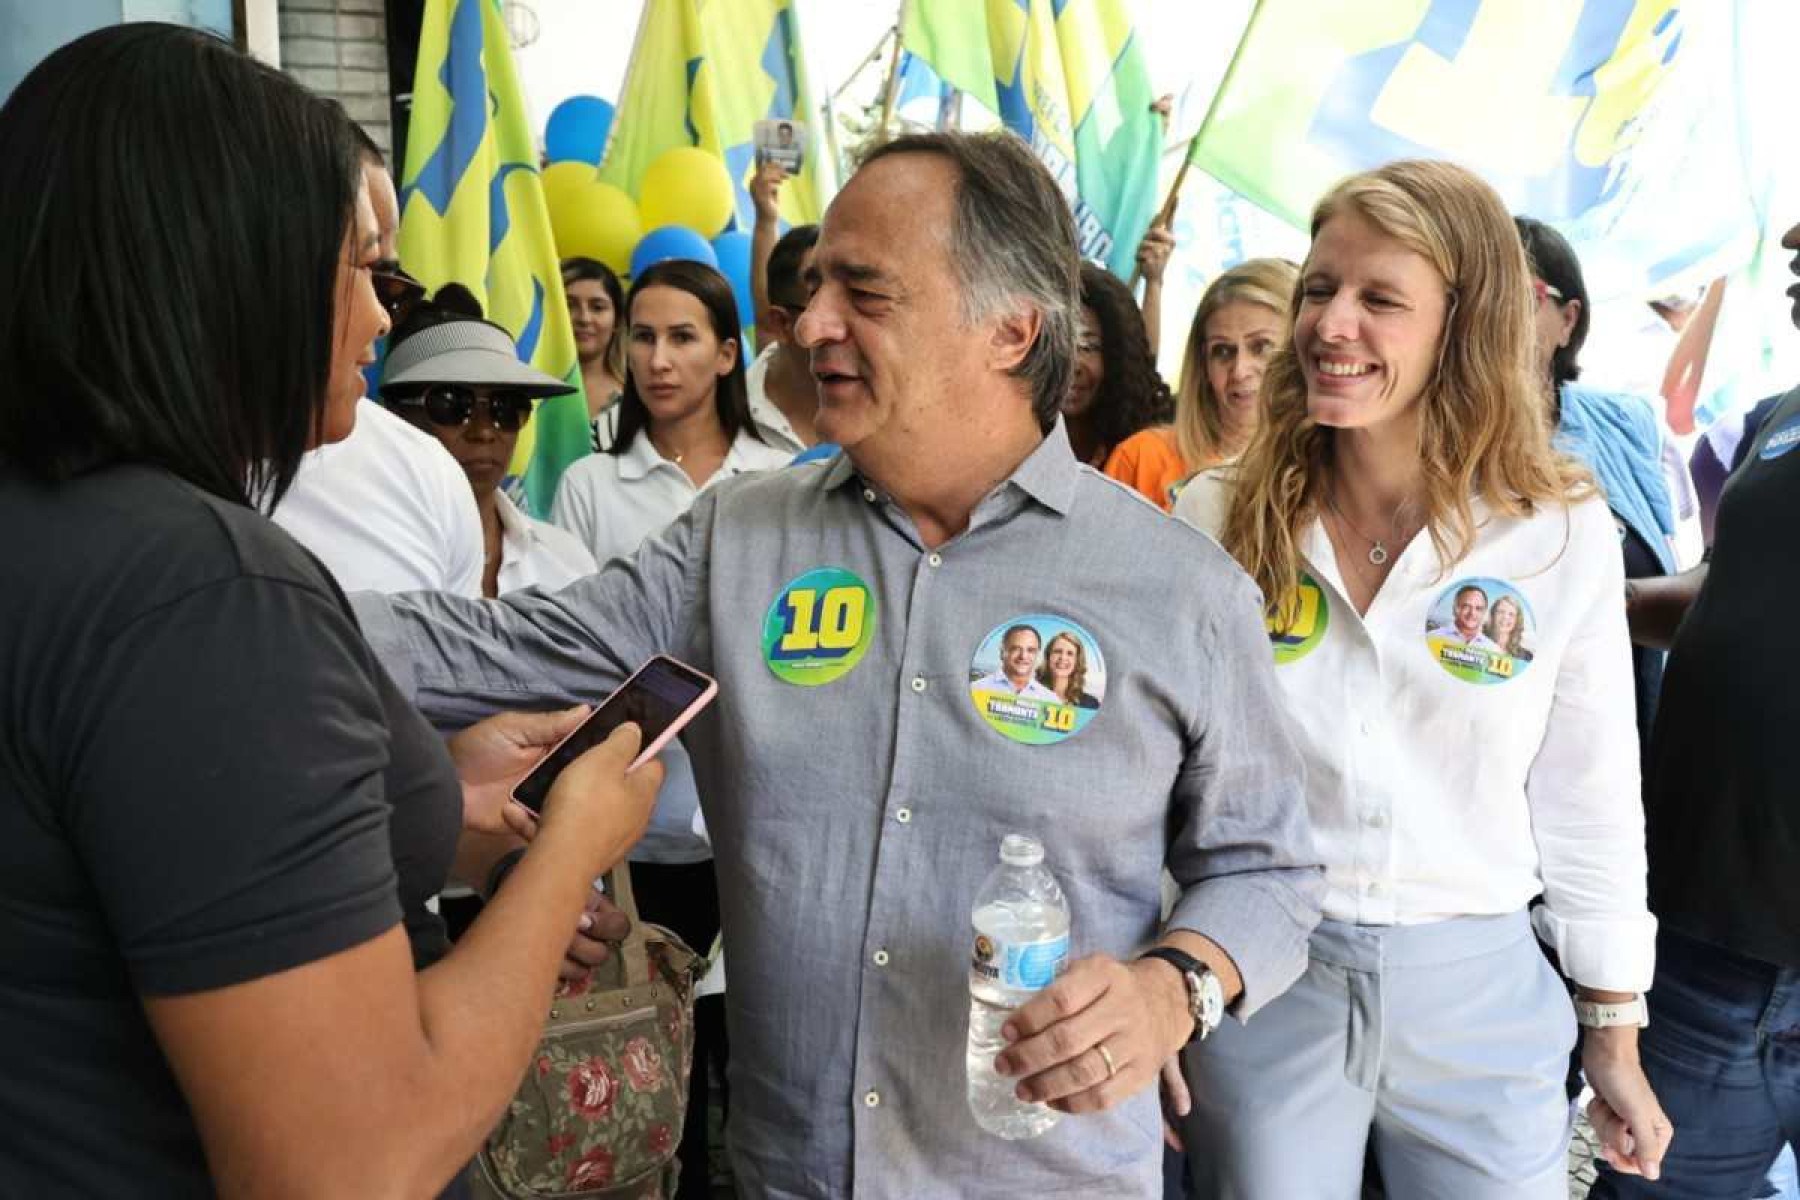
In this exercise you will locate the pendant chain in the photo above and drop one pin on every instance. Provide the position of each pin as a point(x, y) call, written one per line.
point(1378, 552)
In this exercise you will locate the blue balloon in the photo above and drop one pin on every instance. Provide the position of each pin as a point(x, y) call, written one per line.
point(671, 241)
point(577, 129)
point(733, 249)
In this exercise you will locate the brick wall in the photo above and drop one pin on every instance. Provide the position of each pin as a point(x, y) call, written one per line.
point(339, 48)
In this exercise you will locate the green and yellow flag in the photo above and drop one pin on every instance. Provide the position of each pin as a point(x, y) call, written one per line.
point(1069, 77)
point(702, 74)
point(473, 212)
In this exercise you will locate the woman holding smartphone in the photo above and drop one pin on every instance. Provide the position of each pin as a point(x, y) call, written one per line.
point(220, 819)
point(1403, 485)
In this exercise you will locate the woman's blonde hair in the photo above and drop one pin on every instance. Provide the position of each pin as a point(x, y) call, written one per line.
point(1199, 429)
point(1483, 428)
point(1078, 680)
point(1516, 638)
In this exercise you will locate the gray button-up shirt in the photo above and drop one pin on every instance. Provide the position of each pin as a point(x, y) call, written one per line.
point(854, 821)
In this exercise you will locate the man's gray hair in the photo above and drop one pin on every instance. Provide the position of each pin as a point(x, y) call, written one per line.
point(1012, 239)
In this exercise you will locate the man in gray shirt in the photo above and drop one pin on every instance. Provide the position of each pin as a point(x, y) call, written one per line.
point(855, 794)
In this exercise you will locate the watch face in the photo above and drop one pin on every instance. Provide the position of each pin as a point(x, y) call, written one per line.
point(1212, 1000)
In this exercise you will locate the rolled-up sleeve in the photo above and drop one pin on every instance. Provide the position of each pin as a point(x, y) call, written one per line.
point(460, 660)
point(1586, 812)
point(1242, 850)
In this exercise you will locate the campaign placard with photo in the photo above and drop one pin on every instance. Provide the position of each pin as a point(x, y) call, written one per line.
point(1481, 630)
point(1038, 679)
point(781, 141)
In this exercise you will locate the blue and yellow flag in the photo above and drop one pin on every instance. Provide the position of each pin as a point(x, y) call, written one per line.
point(1583, 113)
point(473, 212)
point(702, 74)
point(1067, 76)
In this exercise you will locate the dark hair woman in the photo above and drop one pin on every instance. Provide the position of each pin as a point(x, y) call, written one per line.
point(682, 425)
point(596, 302)
point(1616, 435)
point(1116, 390)
point(221, 821)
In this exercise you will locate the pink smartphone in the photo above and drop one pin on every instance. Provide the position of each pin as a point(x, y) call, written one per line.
point(661, 697)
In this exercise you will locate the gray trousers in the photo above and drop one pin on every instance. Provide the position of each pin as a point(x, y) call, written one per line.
point(1445, 1043)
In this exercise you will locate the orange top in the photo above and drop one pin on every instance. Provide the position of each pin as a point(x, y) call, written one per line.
point(1149, 462)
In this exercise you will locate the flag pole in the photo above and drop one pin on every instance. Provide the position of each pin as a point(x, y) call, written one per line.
point(1166, 214)
point(891, 90)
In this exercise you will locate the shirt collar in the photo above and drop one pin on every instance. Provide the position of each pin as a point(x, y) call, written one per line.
point(515, 528)
point(640, 458)
point(1048, 474)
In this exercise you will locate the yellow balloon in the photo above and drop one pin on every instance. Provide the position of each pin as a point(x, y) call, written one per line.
point(689, 187)
point(590, 219)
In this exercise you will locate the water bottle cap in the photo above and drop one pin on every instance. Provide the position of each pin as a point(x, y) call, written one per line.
point(1021, 850)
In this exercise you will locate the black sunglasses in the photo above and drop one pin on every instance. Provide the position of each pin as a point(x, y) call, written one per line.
point(398, 292)
point(453, 405)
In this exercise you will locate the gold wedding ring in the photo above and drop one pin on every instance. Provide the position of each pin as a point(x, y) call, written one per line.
point(1112, 1068)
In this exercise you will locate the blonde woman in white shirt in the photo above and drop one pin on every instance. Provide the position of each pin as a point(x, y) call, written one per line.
point(1404, 463)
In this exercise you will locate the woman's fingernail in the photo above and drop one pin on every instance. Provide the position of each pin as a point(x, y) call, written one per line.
point(586, 923)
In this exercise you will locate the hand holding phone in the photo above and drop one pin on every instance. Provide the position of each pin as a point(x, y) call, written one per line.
point(661, 697)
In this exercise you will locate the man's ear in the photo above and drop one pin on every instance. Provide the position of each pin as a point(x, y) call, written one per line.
point(1015, 333)
point(774, 324)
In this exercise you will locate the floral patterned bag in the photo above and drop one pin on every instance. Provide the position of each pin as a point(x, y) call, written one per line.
point(600, 1110)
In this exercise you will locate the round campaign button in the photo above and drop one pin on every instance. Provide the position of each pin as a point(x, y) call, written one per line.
point(1037, 679)
point(1782, 440)
point(1481, 630)
point(819, 627)
point(1307, 629)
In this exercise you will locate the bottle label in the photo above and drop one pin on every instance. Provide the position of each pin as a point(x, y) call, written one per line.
point(1018, 966)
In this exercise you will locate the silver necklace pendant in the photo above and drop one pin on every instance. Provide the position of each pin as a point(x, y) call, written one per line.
point(1378, 554)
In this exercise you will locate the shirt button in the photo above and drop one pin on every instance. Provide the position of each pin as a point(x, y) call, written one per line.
point(871, 1099)
point(881, 958)
point(1375, 888)
point(869, 495)
point(903, 815)
point(1376, 818)
point(918, 683)
point(935, 559)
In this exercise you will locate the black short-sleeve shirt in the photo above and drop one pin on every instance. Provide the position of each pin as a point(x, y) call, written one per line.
point(205, 778)
point(1722, 799)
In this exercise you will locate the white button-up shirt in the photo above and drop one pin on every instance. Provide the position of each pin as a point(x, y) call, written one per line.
point(1445, 778)
point(386, 510)
point(536, 553)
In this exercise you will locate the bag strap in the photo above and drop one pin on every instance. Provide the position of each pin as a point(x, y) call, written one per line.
point(633, 955)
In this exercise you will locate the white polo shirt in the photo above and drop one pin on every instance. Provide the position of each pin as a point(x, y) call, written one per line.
point(387, 510)
point(611, 503)
point(1448, 779)
point(535, 553)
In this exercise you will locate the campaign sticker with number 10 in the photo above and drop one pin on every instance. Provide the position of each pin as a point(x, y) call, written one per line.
point(819, 627)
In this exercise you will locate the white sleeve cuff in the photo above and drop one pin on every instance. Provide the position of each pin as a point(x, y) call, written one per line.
point(1613, 954)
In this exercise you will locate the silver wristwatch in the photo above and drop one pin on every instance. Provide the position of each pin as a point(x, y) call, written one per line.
point(1205, 994)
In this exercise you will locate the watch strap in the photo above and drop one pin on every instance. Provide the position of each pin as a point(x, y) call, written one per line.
point(1591, 1014)
point(1198, 980)
point(1181, 960)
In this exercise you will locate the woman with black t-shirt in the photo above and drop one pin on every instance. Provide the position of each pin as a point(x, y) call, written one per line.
point(219, 820)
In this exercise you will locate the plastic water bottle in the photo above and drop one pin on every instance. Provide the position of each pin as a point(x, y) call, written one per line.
point(1021, 943)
